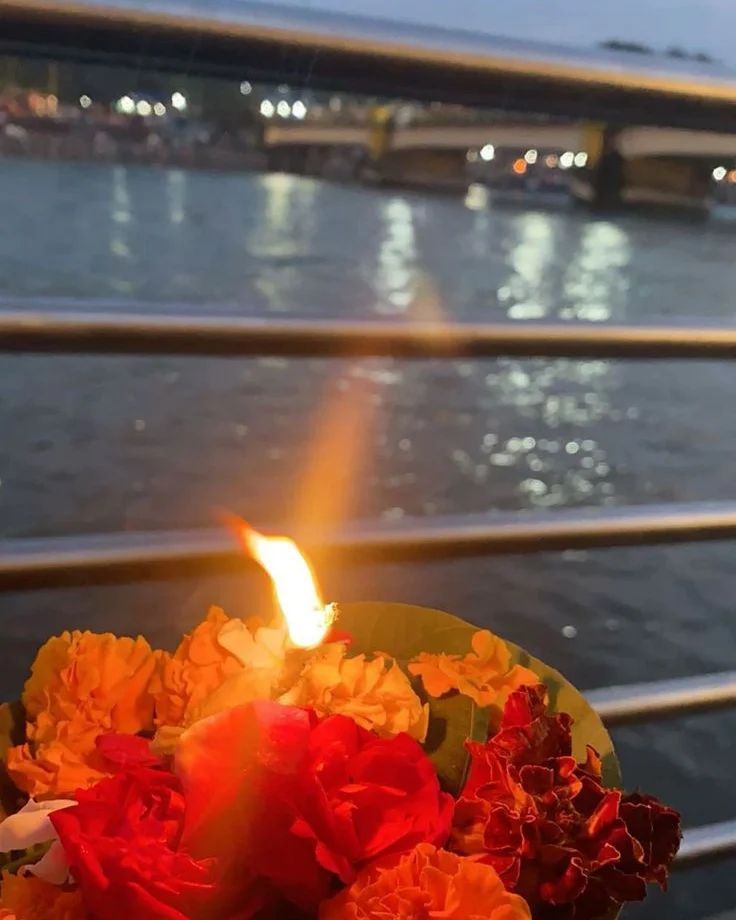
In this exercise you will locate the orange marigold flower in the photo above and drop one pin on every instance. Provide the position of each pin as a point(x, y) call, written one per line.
point(374, 692)
point(485, 674)
point(197, 667)
point(427, 883)
point(222, 663)
point(24, 897)
point(82, 685)
point(7, 726)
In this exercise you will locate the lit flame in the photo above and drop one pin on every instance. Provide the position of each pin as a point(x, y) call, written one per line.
point(307, 618)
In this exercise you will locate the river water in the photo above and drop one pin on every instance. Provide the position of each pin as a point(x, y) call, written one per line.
point(91, 444)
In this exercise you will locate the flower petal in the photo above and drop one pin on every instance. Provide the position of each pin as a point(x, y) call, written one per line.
point(52, 867)
point(30, 826)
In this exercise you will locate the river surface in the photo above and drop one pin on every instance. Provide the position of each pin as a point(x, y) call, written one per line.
point(91, 444)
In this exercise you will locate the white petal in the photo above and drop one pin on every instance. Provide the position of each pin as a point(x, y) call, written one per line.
point(52, 867)
point(30, 825)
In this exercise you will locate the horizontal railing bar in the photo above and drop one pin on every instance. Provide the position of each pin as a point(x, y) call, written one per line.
point(681, 696)
point(706, 844)
point(100, 558)
point(134, 333)
point(37, 562)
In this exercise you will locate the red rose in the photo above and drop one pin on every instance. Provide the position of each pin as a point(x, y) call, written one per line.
point(120, 751)
point(556, 836)
point(122, 842)
point(301, 801)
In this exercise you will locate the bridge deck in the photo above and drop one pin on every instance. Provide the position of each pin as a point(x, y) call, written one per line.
point(373, 55)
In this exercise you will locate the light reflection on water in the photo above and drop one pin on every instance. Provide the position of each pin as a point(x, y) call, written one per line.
point(395, 277)
point(286, 244)
point(176, 187)
point(597, 281)
point(102, 444)
point(121, 216)
point(530, 260)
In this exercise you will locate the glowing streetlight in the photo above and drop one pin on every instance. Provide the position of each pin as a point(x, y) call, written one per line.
point(268, 109)
point(299, 110)
point(84, 101)
point(126, 105)
point(179, 101)
point(144, 108)
point(283, 108)
point(246, 88)
point(531, 157)
point(487, 153)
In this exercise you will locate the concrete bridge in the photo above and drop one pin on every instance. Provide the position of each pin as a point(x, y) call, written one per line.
point(627, 165)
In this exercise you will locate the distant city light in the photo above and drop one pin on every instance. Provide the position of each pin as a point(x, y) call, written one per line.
point(567, 159)
point(551, 160)
point(144, 108)
point(472, 156)
point(719, 173)
point(731, 177)
point(246, 88)
point(159, 109)
point(37, 103)
point(581, 159)
point(487, 153)
point(52, 104)
point(85, 101)
point(179, 101)
point(519, 166)
point(126, 105)
point(268, 109)
point(531, 156)
point(283, 87)
point(283, 108)
point(299, 110)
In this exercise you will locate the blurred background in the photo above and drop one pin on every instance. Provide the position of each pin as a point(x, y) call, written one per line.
point(161, 191)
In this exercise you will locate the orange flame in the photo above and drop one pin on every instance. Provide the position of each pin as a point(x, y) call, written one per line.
point(307, 617)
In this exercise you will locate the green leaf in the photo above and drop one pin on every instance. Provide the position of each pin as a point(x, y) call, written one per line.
point(403, 631)
point(12, 862)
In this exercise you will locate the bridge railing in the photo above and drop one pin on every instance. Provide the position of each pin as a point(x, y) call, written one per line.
point(54, 562)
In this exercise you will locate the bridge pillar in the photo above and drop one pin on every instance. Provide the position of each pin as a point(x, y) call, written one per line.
point(606, 170)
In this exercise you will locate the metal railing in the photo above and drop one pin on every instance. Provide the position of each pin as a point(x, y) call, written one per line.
point(321, 50)
point(54, 562)
point(50, 562)
point(139, 333)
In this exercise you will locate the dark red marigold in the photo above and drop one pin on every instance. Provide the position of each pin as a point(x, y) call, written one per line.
point(547, 825)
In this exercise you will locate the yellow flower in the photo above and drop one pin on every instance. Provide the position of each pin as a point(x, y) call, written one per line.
point(222, 663)
point(24, 897)
point(375, 692)
point(485, 674)
point(82, 685)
